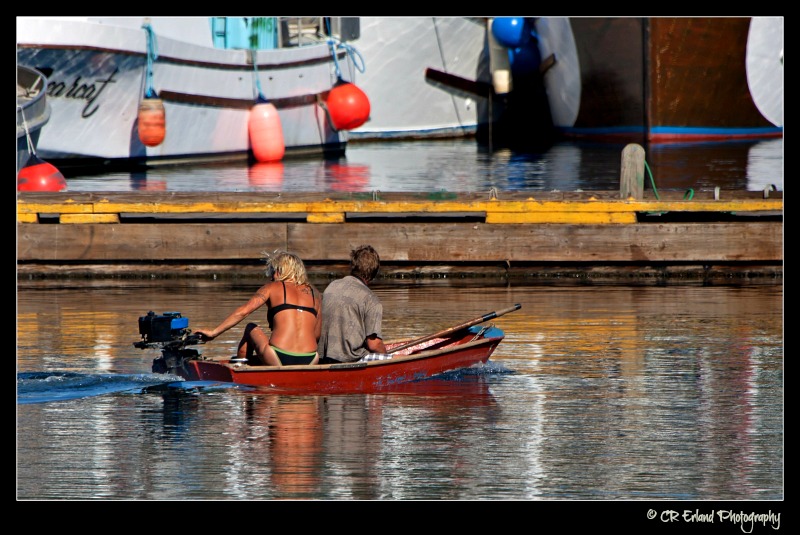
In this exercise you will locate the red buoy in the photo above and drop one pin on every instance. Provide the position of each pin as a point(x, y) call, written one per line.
point(38, 175)
point(266, 132)
point(152, 121)
point(348, 106)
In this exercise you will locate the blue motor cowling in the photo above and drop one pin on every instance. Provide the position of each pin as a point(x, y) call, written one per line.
point(164, 327)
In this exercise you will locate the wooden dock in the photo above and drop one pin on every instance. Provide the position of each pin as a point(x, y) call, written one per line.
point(707, 233)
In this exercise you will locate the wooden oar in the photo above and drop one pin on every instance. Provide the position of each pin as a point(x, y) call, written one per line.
point(470, 323)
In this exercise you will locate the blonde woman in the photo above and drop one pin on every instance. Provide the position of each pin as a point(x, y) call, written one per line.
point(293, 314)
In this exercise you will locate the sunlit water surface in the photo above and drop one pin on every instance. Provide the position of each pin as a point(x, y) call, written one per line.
point(596, 393)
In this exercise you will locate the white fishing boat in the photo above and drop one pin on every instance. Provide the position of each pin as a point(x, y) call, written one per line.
point(208, 74)
point(432, 77)
point(33, 112)
point(405, 105)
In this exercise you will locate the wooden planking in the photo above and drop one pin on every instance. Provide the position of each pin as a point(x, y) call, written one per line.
point(406, 242)
point(147, 242)
point(456, 242)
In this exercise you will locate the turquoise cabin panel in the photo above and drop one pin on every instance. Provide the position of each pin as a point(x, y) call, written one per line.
point(236, 32)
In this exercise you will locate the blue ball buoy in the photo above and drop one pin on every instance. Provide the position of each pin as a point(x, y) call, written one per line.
point(525, 60)
point(511, 32)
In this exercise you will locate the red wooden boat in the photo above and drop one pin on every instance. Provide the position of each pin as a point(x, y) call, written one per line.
point(462, 346)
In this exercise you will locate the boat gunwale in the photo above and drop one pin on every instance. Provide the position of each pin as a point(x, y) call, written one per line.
point(245, 65)
point(350, 366)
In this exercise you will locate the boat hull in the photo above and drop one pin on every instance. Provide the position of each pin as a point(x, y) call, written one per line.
point(98, 76)
point(665, 79)
point(398, 50)
point(418, 362)
point(33, 112)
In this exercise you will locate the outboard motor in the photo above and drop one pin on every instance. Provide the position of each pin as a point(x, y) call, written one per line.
point(170, 332)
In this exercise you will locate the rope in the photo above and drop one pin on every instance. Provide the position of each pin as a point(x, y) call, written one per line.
point(688, 195)
point(351, 51)
point(444, 66)
point(261, 99)
point(652, 182)
point(31, 148)
point(152, 55)
point(483, 330)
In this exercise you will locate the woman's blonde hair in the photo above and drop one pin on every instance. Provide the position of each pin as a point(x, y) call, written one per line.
point(286, 267)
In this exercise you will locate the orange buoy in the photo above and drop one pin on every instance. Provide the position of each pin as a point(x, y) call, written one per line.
point(152, 121)
point(266, 132)
point(38, 175)
point(348, 106)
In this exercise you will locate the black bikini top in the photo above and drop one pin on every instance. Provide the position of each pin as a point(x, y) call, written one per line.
point(286, 306)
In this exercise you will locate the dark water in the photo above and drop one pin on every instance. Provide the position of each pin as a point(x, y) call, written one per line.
point(465, 166)
point(601, 393)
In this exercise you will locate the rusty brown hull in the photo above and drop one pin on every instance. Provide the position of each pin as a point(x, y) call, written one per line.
point(665, 79)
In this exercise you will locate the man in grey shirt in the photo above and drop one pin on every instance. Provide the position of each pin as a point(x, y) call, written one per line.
point(352, 313)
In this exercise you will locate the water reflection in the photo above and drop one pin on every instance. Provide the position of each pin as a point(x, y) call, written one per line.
point(464, 166)
point(746, 165)
point(596, 393)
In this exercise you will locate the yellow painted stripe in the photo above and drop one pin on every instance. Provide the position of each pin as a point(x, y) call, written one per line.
point(584, 218)
point(27, 218)
point(400, 207)
point(89, 218)
point(435, 207)
point(60, 208)
point(325, 218)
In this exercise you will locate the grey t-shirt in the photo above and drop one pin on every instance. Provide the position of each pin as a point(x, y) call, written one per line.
point(350, 313)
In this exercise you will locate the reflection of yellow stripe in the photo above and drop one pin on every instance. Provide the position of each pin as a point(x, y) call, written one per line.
point(616, 335)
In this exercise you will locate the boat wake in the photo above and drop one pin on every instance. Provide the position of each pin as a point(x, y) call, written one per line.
point(488, 368)
point(44, 387)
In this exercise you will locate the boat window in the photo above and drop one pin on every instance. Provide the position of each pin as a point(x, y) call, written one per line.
point(265, 33)
point(260, 33)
